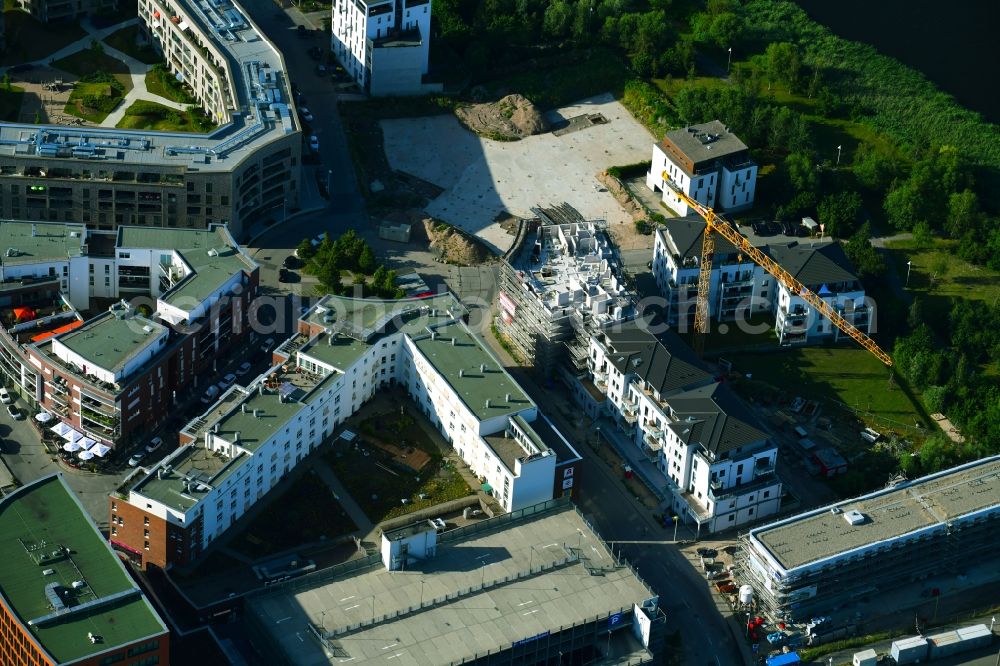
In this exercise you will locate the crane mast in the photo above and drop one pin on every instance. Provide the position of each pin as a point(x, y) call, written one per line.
point(715, 224)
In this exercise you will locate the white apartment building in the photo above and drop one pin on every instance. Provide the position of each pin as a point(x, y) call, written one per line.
point(383, 44)
point(717, 462)
point(740, 289)
point(708, 163)
point(345, 351)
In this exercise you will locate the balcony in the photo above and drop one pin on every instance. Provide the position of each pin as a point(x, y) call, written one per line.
point(717, 492)
point(601, 380)
point(630, 411)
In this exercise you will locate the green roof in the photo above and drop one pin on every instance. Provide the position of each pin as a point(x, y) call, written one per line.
point(209, 270)
point(40, 518)
point(206, 466)
point(39, 241)
point(460, 362)
point(109, 342)
point(341, 352)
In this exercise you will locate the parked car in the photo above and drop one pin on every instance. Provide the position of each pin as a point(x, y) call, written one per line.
point(210, 394)
point(268, 344)
point(243, 369)
point(306, 114)
point(229, 379)
point(438, 524)
point(291, 261)
point(284, 275)
point(870, 436)
point(321, 70)
point(707, 552)
point(15, 413)
point(314, 143)
point(5, 396)
point(136, 459)
point(154, 444)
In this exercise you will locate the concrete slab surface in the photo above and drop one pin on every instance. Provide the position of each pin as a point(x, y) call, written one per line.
point(482, 177)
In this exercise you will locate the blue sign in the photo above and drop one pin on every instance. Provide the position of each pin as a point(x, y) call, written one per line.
point(615, 620)
point(755, 648)
point(528, 640)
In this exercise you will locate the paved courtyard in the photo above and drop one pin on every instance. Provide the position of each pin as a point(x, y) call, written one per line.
point(482, 177)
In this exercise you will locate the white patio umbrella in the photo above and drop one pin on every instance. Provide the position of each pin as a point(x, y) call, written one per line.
point(43, 417)
point(100, 450)
point(60, 428)
point(85, 455)
point(87, 442)
point(71, 447)
point(72, 435)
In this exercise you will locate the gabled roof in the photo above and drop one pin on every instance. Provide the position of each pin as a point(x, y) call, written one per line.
point(715, 417)
point(814, 264)
point(662, 360)
point(683, 236)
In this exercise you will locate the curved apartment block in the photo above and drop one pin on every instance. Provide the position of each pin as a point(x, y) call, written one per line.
point(106, 178)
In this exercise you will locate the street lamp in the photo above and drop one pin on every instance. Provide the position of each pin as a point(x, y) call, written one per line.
point(729, 61)
point(909, 265)
point(838, 155)
point(676, 523)
point(598, 430)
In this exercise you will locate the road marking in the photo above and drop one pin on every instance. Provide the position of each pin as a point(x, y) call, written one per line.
point(390, 646)
point(482, 557)
point(301, 640)
point(348, 599)
point(550, 545)
point(398, 654)
point(530, 612)
point(283, 619)
point(352, 607)
point(348, 659)
point(525, 603)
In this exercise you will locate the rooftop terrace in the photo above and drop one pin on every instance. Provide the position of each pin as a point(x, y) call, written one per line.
point(562, 591)
point(927, 502)
point(475, 375)
point(366, 319)
point(193, 470)
point(43, 528)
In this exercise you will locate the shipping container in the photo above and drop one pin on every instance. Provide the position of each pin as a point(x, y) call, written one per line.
point(944, 644)
point(909, 650)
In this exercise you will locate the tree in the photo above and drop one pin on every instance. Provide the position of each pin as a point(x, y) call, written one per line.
point(865, 257)
point(801, 172)
point(873, 169)
point(6, 81)
point(963, 213)
point(922, 234)
point(839, 213)
point(378, 278)
point(784, 63)
point(916, 315)
point(366, 262)
point(558, 19)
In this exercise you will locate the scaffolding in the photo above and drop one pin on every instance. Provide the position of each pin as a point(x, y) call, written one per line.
point(563, 284)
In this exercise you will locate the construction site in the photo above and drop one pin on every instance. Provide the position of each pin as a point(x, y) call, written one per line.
point(560, 282)
point(936, 532)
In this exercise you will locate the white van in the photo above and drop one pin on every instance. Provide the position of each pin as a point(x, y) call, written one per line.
point(5, 396)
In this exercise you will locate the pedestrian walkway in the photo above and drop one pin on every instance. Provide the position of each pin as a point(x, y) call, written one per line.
point(640, 464)
point(323, 471)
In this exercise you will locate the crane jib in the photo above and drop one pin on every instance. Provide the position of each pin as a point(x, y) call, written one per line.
point(715, 224)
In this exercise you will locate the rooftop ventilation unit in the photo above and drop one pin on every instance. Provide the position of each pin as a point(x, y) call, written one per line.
point(855, 517)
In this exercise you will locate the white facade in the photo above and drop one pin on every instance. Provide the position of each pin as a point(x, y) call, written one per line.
point(384, 46)
point(340, 390)
point(707, 163)
point(716, 487)
point(798, 321)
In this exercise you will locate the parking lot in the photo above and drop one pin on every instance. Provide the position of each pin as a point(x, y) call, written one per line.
point(482, 178)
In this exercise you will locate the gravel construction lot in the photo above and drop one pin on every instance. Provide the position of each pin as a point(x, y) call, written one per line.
point(482, 178)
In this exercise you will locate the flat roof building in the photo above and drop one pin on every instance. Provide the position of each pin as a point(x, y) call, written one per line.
point(65, 597)
point(814, 561)
point(243, 171)
point(344, 351)
point(522, 588)
point(82, 371)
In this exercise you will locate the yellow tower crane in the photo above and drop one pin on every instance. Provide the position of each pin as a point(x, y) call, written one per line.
point(716, 225)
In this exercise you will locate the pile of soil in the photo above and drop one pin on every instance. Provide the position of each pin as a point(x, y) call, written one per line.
point(508, 119)
point(455, 246)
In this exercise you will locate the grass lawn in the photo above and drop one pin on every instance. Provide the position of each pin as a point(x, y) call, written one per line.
point(960, 279)
point(755, 331)
point(29, 40)
point(93, 101)
point(848, 377)
point(566, 79)
point(378, 486)
point(150, 115)
point(160, 81)
point(316, 514)
point(125, 41)
point(10, 102)
point(89, 61)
